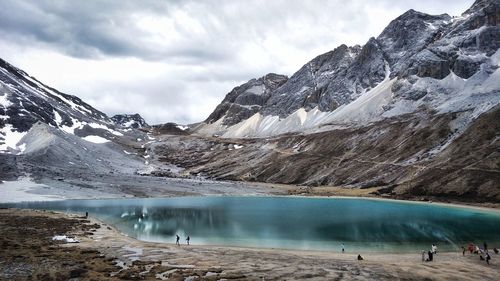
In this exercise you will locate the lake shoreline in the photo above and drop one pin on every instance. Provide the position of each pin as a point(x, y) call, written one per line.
point(125, 256)
point(24, 188)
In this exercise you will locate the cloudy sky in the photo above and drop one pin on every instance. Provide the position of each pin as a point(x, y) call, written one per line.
point(176, 60)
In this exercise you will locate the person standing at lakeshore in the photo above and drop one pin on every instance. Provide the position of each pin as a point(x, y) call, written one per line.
point(187, 239)
point(177, 238)
point(434, 249)
point(487, 257)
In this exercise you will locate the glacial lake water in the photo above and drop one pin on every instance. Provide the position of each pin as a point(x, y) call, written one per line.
point(362, 225)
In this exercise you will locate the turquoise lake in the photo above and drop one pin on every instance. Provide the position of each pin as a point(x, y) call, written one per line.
point(362, 225)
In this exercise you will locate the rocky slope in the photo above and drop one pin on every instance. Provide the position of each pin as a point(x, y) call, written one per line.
point(24, 101)
point(411, 114)
point(410, 158)
point(46, 133)
point(437, 63)
point(246, 99)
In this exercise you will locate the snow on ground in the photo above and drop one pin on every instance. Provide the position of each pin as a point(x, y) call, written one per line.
point(180, 127)
point(57, 118)
point(129, 123)
point(9, 138)
point(4, 102)
point(65, 239)
point(95, 139)
point(100, 126)
point(76, 125)
point(22, 190)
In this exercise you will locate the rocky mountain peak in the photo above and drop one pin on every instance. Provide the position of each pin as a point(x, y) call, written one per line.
point(129, 120)
point(481, 13)
point(246, 99)
point(416, 63)
point(25, 101)
point(407, 35)
point(481, 5)
point(308, 86)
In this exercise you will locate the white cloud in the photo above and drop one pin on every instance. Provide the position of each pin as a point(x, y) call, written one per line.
point(175, 61)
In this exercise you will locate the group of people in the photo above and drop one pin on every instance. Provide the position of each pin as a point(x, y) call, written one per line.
point(178, 238)
point(483, 253)
point(430, 253)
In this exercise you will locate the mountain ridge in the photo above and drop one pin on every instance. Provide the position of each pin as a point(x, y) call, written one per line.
point(412, 114)
point(414, 46)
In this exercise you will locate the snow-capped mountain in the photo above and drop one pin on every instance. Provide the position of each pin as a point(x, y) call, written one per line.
point(25, 101)
point(130, 120)
point(419, 64)
point(50, 135)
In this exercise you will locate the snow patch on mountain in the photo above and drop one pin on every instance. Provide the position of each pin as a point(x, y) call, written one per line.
point(57, 118)
point(95, 139)
point(181, 127)
point(9, 138)
point(4, 102)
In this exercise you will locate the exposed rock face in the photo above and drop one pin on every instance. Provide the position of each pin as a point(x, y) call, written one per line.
point(308, 87)
point(412, 48)
point(130, 120)
point(246, 99)
point(171, 129)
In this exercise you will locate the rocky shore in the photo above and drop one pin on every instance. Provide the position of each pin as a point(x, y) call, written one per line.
point(29, 253)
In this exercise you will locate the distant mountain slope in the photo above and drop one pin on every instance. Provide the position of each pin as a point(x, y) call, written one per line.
point(25, 101)
point(60, 140)
point(419, 64)
point(130, 120)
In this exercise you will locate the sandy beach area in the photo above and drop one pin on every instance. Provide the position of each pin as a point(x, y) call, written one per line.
point(103, 253)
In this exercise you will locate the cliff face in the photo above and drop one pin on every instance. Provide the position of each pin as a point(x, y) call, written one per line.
point(246, 99)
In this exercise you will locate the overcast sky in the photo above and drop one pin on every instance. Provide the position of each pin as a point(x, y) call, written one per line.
point(176, 60)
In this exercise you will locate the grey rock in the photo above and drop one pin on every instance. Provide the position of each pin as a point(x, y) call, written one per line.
point(246, 99)
point(414, 44)
point(130, 120)
point(309, 86)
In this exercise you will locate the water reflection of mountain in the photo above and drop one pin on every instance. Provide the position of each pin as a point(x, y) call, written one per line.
point(169, 221)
